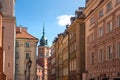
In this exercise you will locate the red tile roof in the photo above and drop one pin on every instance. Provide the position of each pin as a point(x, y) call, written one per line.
point(22, 33)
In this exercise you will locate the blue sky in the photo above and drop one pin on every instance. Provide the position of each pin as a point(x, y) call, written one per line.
point(54, 14)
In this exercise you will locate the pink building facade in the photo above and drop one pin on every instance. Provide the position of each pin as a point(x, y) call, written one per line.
point(9, 24)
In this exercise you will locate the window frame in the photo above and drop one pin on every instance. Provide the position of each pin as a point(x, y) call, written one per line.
point(109, 26)
point(101, 31)
point(109, 52)
point(27, 44)
point(118, 21)
point(92, 58)
point(109, 6)
point(101, 13)
point(118, 49)
point(100, 53)
point(17, 44)
point(27, 56)
point(118, 1)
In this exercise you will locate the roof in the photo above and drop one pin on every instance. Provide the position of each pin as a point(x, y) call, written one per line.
point(22, 33)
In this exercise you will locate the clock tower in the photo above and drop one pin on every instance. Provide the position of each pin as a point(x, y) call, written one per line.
point(43, 54)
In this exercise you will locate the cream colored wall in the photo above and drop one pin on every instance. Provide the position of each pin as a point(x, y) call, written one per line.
point(22, 55)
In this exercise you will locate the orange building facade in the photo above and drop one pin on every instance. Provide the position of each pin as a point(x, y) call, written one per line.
point(102, 39)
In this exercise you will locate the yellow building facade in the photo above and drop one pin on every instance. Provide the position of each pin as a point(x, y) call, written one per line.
point(70, 49)
point(26, 46)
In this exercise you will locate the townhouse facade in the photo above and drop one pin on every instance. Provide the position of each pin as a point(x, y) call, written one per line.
point(52, 64)
point(76, 45)
point(70, 49)
point(25, 55)
point(102, 39)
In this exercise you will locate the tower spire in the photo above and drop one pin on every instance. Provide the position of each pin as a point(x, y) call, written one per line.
point(43, 40)
point(43, 30)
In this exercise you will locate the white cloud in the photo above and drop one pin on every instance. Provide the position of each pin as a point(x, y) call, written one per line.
point(63, 20)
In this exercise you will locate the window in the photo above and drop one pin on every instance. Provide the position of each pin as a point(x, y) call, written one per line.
point(109, 52)
point(91, 37)
point(27, 56)
point(16, 67)
point(118, 49)
point(100, 13)
point(118, 1)
point(92, 58)
point(100, 31)
point(100, 55)
point(27, 44)
point(92, 20)
point(17, 44)
point(17, 55)
point(109, 6)
point(109, 26)
point(118, 21)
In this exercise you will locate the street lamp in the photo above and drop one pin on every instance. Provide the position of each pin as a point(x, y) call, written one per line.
point(27, 70)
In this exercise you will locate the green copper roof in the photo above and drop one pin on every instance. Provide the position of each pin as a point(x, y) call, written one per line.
point(43, 40)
